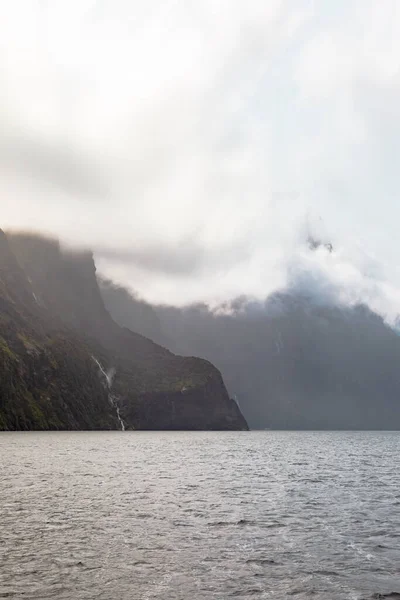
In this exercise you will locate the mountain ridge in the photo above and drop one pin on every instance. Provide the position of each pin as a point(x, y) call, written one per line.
point(292, 362)
point(44, 290)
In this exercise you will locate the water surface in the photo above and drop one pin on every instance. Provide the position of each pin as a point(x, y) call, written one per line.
point(143, 515)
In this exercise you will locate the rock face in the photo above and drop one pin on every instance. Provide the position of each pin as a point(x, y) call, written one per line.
point(65, 364)
point(47, 377)
point(204, 407)
point(292, 363)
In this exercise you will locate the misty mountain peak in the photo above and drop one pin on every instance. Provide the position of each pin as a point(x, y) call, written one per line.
point(314, 243)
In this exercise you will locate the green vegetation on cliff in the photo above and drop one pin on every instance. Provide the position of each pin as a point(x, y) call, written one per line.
point(65, 364)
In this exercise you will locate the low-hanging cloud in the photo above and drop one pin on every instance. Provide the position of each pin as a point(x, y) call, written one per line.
point(189, 143)
point(55, 164)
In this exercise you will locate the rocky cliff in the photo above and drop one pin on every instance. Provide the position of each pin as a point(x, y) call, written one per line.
point(292, 362)
point(48, 379)
point(65, 363)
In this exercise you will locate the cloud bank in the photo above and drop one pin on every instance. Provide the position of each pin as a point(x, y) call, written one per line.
point(193, 145)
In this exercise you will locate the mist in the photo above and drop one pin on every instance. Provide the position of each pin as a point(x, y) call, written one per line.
point(195, 147)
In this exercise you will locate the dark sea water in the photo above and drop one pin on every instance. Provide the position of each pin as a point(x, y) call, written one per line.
point(200, 515)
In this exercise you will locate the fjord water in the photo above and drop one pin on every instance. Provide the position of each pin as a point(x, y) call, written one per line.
point(129, 515)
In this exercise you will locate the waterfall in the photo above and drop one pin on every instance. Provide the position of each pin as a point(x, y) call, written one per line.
point(237, 401)
point(122, 424)
point(108, 377)
point(279, 343)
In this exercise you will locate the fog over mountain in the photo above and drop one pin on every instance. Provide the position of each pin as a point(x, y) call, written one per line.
point(191, 144)
point(65, 364)
point(233, 163)
point(295, 361)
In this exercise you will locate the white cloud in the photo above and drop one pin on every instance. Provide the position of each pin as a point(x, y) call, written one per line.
point(188, 142)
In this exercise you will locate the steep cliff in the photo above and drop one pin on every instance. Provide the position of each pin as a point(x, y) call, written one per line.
point(293, 363)
point(47, 377)
point(135, 379)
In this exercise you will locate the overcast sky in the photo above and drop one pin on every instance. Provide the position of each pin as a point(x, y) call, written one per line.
point(193, 144)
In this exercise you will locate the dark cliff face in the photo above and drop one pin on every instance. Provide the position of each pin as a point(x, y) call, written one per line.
point(47, 377)
point(295, 364)
point(205, 406)
point(59, 304)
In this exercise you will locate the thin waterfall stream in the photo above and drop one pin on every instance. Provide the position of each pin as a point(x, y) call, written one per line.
point(108, 379)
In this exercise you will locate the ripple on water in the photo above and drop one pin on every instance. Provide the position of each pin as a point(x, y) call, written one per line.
point(200, 515)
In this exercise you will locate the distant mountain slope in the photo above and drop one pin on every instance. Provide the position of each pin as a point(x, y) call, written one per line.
point(292, 363)
point(61, 346)
point(130, 311)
